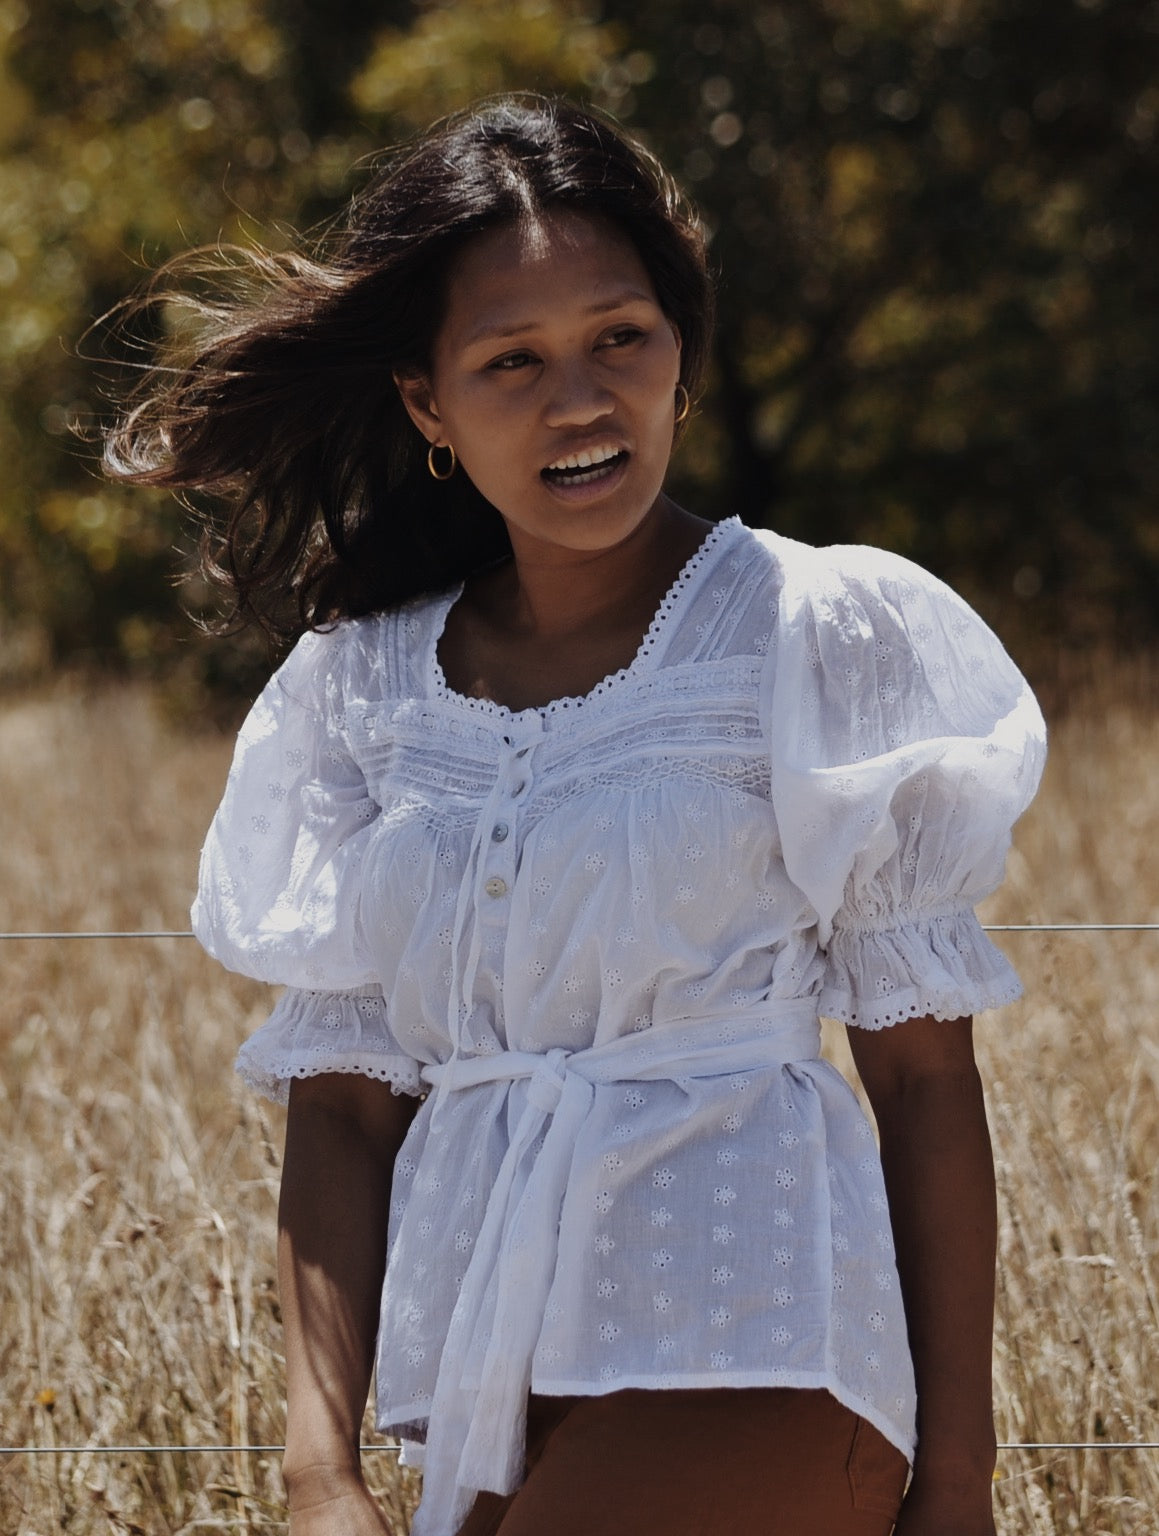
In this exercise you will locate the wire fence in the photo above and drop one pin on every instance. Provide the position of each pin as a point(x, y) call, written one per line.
point(186, 933)
point(393, 1449)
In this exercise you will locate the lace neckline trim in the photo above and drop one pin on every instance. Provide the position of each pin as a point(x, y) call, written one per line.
point(669, 603)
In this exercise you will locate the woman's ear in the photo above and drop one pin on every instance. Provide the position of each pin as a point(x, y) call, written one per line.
point(419, 401)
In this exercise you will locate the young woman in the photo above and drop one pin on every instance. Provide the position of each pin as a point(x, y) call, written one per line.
point(567, 815)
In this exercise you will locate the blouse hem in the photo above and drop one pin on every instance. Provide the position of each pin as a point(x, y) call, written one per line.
point(397, 1421)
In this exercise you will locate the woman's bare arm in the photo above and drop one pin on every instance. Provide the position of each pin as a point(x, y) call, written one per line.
point(939, 1173)
point(342, 1135)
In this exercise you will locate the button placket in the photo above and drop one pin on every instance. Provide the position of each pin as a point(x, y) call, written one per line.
point(498, 842)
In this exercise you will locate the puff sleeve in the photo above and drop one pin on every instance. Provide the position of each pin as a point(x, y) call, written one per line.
point(905, 744)
point(280, 883)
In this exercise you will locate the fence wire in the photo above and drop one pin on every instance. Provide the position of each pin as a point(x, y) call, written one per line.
point(185, 933)
point(393, 1450)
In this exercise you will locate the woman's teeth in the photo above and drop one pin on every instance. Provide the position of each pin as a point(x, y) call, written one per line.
point(580, 468)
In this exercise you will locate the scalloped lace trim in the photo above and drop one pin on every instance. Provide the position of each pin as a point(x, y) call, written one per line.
point(311, 1033)
point(671, 600)
point(914, 1004)
point(273, 1082)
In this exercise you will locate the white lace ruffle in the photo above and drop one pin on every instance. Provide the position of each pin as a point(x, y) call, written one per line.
point(872, 976)
point(309, 1033)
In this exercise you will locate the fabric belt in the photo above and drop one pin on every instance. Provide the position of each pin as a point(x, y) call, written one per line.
point(475, 1437)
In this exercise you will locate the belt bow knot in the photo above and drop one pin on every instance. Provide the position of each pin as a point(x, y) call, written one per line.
point(478, 1416)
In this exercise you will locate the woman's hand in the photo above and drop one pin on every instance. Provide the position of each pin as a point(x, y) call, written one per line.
point(935, 1508)
point(333, 1501)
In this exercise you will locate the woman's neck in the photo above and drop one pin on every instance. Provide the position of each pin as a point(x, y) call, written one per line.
point(548, 593)
point(554, 623)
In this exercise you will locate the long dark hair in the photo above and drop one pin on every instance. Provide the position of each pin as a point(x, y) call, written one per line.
point(274, 389)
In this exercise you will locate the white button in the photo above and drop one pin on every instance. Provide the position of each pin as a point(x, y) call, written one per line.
point(499, 832)
point(495, 886)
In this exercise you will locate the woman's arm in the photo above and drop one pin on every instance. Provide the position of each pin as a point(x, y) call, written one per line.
point(342, 1135)
point(939, 1174)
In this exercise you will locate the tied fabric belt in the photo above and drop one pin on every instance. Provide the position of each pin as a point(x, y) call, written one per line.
point(477, 1425)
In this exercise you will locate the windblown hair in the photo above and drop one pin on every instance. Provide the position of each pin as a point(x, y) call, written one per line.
point(273, 389)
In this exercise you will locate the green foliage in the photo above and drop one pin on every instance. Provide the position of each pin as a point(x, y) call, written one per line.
point(451, 54)
point(129, 131)
point(935, 222)
point(938, 230)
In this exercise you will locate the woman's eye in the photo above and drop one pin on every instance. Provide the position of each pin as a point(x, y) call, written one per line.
point(622, 336)
point(510, 361)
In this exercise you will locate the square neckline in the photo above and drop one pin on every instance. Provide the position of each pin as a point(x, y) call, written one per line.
point(669, 603)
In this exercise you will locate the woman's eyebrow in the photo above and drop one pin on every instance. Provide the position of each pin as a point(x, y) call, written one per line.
point(504, 330)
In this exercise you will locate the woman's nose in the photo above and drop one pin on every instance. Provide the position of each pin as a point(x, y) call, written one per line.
point(578, 396)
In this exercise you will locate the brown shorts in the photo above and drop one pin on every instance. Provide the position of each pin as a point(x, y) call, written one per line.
point(773, 1461)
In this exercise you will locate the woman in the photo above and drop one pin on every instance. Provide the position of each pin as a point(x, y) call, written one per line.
point(570, 811)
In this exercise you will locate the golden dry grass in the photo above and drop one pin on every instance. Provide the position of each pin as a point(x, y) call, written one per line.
point(138, 1183)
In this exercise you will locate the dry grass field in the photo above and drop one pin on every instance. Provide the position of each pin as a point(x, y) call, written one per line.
point(138, 1183)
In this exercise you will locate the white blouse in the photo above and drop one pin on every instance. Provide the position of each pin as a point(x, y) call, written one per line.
point(600, 933)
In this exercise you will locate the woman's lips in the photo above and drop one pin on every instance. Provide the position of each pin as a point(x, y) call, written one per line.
point(584, 484)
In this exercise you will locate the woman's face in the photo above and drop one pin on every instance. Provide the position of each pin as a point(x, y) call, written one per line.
point(554, 379)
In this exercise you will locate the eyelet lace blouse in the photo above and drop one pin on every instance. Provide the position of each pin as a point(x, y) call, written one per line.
point(599, 935)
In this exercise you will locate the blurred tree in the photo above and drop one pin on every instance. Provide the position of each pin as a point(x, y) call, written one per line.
point(937, 227)
point(935, 221)
point(132, 129)
point(450, 54)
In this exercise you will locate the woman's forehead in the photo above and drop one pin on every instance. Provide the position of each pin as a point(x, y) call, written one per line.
point(513, 276)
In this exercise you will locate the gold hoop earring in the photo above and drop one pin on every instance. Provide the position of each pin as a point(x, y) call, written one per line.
point(683, 405)
point(431, 465)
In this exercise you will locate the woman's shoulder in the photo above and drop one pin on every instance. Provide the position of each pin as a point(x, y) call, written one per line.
point(829, 571)
point(863, 593)
point(368, 657)
point(331, 653)
point(852, 618)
